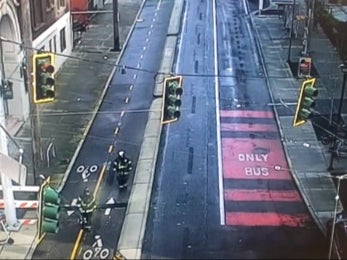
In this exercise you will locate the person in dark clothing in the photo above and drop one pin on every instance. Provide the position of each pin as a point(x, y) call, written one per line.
point(122, 166)
point(87, 205)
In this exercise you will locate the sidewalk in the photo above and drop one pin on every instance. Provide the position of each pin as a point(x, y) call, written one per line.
point(80, 85)
point(307, 157)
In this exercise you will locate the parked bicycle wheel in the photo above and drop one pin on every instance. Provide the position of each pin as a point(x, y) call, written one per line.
point(326, 139)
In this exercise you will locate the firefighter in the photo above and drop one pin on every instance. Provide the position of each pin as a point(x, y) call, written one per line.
point(122, 166)
point(87, 205)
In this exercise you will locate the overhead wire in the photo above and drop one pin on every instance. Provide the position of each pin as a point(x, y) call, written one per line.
point(156, 73)
point(124, 66)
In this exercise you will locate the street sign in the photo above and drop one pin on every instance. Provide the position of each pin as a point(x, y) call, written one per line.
point(304, 68)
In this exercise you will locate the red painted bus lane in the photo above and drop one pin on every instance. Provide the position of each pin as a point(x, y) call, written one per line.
point(249, 127)
point(253, 158)
point(266, 219)
point(258, 187)
point(247, 113)
point(261, 195)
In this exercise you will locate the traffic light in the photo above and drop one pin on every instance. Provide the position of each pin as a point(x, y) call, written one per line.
point(50, 209)
point(43, 77)
point(306, 102)
point(172, 99)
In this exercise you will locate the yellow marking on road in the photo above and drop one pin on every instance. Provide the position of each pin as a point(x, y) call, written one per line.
point(77, 244)
point(102, 172)
point(80, 234)
point(110, 148)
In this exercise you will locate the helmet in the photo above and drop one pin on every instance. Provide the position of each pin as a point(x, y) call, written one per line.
point(121, 154)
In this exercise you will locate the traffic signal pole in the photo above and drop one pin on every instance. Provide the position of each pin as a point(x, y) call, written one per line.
point(35, 125)
point(36, 119)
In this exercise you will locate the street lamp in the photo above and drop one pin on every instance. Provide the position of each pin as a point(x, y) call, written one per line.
point(291, 33)
point(343, 67)
point(337, 198)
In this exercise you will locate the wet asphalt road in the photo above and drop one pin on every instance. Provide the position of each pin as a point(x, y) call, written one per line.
point(212, 205)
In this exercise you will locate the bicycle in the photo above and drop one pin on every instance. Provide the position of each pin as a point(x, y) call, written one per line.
point(339, 148)
point(329, 137)
point(7, 239)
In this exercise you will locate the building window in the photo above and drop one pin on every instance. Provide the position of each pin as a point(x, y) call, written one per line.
point(37, 10)
point(60, 4)
point(62, 40)
point(49, 5)
point(54, 44)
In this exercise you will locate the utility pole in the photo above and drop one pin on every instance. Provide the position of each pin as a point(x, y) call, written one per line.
point(36, 139)
point(116, 45)
point(27, 40)
point(35, 135)
point(291, 33)
point(312, 19)
point(6, 181)
point(339, 118)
